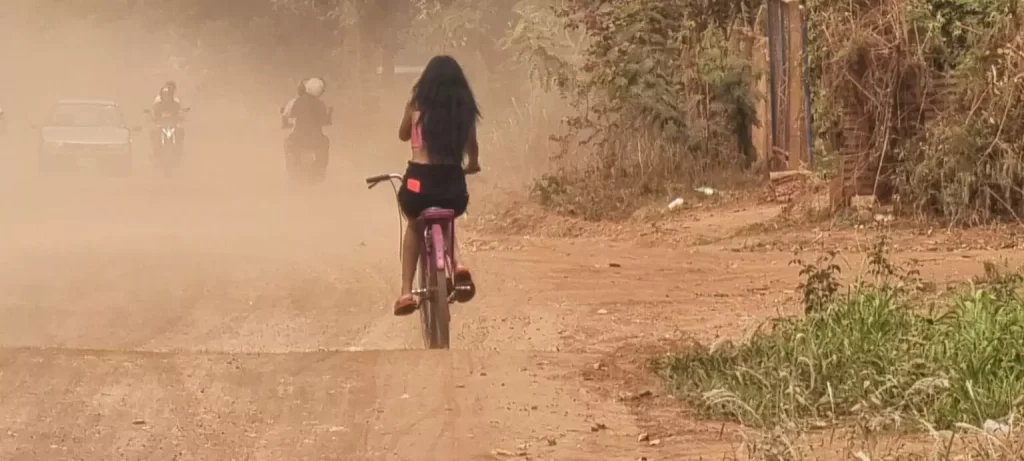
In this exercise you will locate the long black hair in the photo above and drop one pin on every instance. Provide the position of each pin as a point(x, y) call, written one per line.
point(448, 110)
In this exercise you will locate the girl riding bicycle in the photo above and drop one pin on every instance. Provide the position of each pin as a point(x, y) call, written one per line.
point(440, 124)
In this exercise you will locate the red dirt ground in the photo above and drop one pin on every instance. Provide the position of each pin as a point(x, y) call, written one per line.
point(191, 321)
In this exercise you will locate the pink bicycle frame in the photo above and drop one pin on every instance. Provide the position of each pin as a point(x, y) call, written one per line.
point(436, 222)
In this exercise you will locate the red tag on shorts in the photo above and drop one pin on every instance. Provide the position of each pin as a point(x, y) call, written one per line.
point(413, 185)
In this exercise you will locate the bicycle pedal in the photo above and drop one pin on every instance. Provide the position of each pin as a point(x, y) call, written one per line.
point(464, 293)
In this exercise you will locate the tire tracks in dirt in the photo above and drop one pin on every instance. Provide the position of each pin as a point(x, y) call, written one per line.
point(184, 334)
point(187, 332)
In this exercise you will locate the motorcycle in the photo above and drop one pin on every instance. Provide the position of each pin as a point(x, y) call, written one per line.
point(167, 147)
point(305, 155)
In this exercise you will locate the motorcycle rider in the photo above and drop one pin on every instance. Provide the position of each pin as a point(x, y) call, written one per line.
point(307, 115)
point(167, 106)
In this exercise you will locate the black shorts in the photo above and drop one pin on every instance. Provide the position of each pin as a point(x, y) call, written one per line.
point(428, 186)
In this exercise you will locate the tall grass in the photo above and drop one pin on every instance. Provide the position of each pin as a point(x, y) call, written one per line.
point(869, 353)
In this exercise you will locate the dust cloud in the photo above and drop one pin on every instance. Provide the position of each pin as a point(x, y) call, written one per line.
point(225, 256)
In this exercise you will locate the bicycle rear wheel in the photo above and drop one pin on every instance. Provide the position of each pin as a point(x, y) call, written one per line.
point(440, 315)
point(425, 301)
point(434, 311)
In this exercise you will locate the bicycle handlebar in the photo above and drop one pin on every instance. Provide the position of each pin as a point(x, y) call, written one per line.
point(374, 180)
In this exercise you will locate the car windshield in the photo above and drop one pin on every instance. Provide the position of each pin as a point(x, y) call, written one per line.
point(86, 115)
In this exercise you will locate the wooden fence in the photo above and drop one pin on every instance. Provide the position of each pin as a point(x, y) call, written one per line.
point(785, 139)
point(778, 51)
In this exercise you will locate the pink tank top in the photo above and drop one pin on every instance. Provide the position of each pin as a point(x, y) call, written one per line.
point(417, 136)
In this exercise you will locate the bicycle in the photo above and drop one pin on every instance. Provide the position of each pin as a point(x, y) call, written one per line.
point(437, 285)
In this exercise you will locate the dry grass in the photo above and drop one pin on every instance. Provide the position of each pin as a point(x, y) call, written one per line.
point(632, 172)
point(951, 153)
point(868, 367)
point(660, 107)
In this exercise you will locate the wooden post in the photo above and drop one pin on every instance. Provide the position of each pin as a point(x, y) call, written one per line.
point(754, 49)
point(763, 134)
point(797, 140)
point(776, 77)
point(797, 113)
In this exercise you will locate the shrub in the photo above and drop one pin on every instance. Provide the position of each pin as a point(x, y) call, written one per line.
point(869, 354)
point(662, 100)
point(879, 71)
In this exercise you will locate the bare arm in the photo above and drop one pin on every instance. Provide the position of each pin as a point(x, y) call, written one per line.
point(287, 111)
point(405, 129)
point(286, 114)
point(473, 153)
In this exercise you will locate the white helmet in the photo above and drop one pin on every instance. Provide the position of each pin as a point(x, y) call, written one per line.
point(315, 87)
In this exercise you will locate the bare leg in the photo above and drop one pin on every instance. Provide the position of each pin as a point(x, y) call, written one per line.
point(455, 249)
point(463, 279)
point(406, 303)
point(411, 245)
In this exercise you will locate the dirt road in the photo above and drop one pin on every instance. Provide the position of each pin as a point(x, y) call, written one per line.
point(225, 316)
point(143, 319)
point(208, 319)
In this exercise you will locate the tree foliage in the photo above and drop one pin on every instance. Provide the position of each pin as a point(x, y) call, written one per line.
point(935, 85)
point(648, 59)
point(660, 74)
point(967, 168)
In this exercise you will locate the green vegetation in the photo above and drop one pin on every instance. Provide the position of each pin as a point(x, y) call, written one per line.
point(869, 353)
point(931, 87)
point(662, 97)
point(661, 93)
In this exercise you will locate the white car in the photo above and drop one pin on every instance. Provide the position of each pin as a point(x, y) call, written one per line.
point(82, 133)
